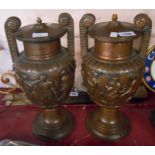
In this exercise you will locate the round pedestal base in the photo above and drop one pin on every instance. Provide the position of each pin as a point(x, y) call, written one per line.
point(100, 127)
point(53, 124)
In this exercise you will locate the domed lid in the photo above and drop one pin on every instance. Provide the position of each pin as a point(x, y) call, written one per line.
point(40, 32)
point(114, 31)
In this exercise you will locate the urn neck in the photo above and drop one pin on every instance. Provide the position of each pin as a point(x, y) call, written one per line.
point(113, 51)
point(41, 51)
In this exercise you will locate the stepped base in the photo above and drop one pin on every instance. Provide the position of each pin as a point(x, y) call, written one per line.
point(108, 124)
point(53, 124)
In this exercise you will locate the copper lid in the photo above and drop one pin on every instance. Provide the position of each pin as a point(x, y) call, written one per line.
point(40, 32)
point(114, 31)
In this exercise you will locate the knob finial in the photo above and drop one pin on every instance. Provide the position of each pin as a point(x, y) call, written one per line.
point(114, 17)
point(39, 21)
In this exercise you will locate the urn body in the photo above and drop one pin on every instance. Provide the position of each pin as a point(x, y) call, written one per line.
point(45, 71)
point(112, 70)
point(49, 82)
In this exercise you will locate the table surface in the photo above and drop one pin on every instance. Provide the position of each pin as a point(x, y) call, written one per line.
point(16, 124)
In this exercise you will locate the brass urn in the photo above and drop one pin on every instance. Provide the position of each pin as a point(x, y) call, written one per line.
point(112, 70)
point(45, 71)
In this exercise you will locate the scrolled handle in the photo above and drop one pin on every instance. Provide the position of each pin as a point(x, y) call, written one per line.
point(66, 20)
point(86, 21)
point(144, 22)
point(4, 79)
point(12, 25)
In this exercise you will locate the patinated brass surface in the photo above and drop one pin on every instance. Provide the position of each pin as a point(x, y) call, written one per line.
point(105, 50)
point(45, 71)
point(112, 71)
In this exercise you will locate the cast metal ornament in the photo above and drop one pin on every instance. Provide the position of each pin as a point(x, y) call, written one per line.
point(45, 71)
point(112, 70)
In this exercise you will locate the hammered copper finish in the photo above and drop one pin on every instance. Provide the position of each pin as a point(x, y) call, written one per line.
point(112, 70)
point(45, 71)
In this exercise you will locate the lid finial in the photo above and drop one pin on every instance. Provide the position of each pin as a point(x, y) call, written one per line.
point(114, 17)
point(39, 21)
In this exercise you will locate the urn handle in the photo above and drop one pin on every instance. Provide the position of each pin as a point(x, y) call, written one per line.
point(86, 21)
point(66, 20)
point(144, 22)
point(12, 25)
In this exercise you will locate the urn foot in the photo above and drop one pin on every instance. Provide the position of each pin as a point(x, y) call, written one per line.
point(53, 124)
point(108, 124)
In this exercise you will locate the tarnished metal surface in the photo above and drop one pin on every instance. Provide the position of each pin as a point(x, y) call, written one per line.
point(45, 71)
point(112, 71)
